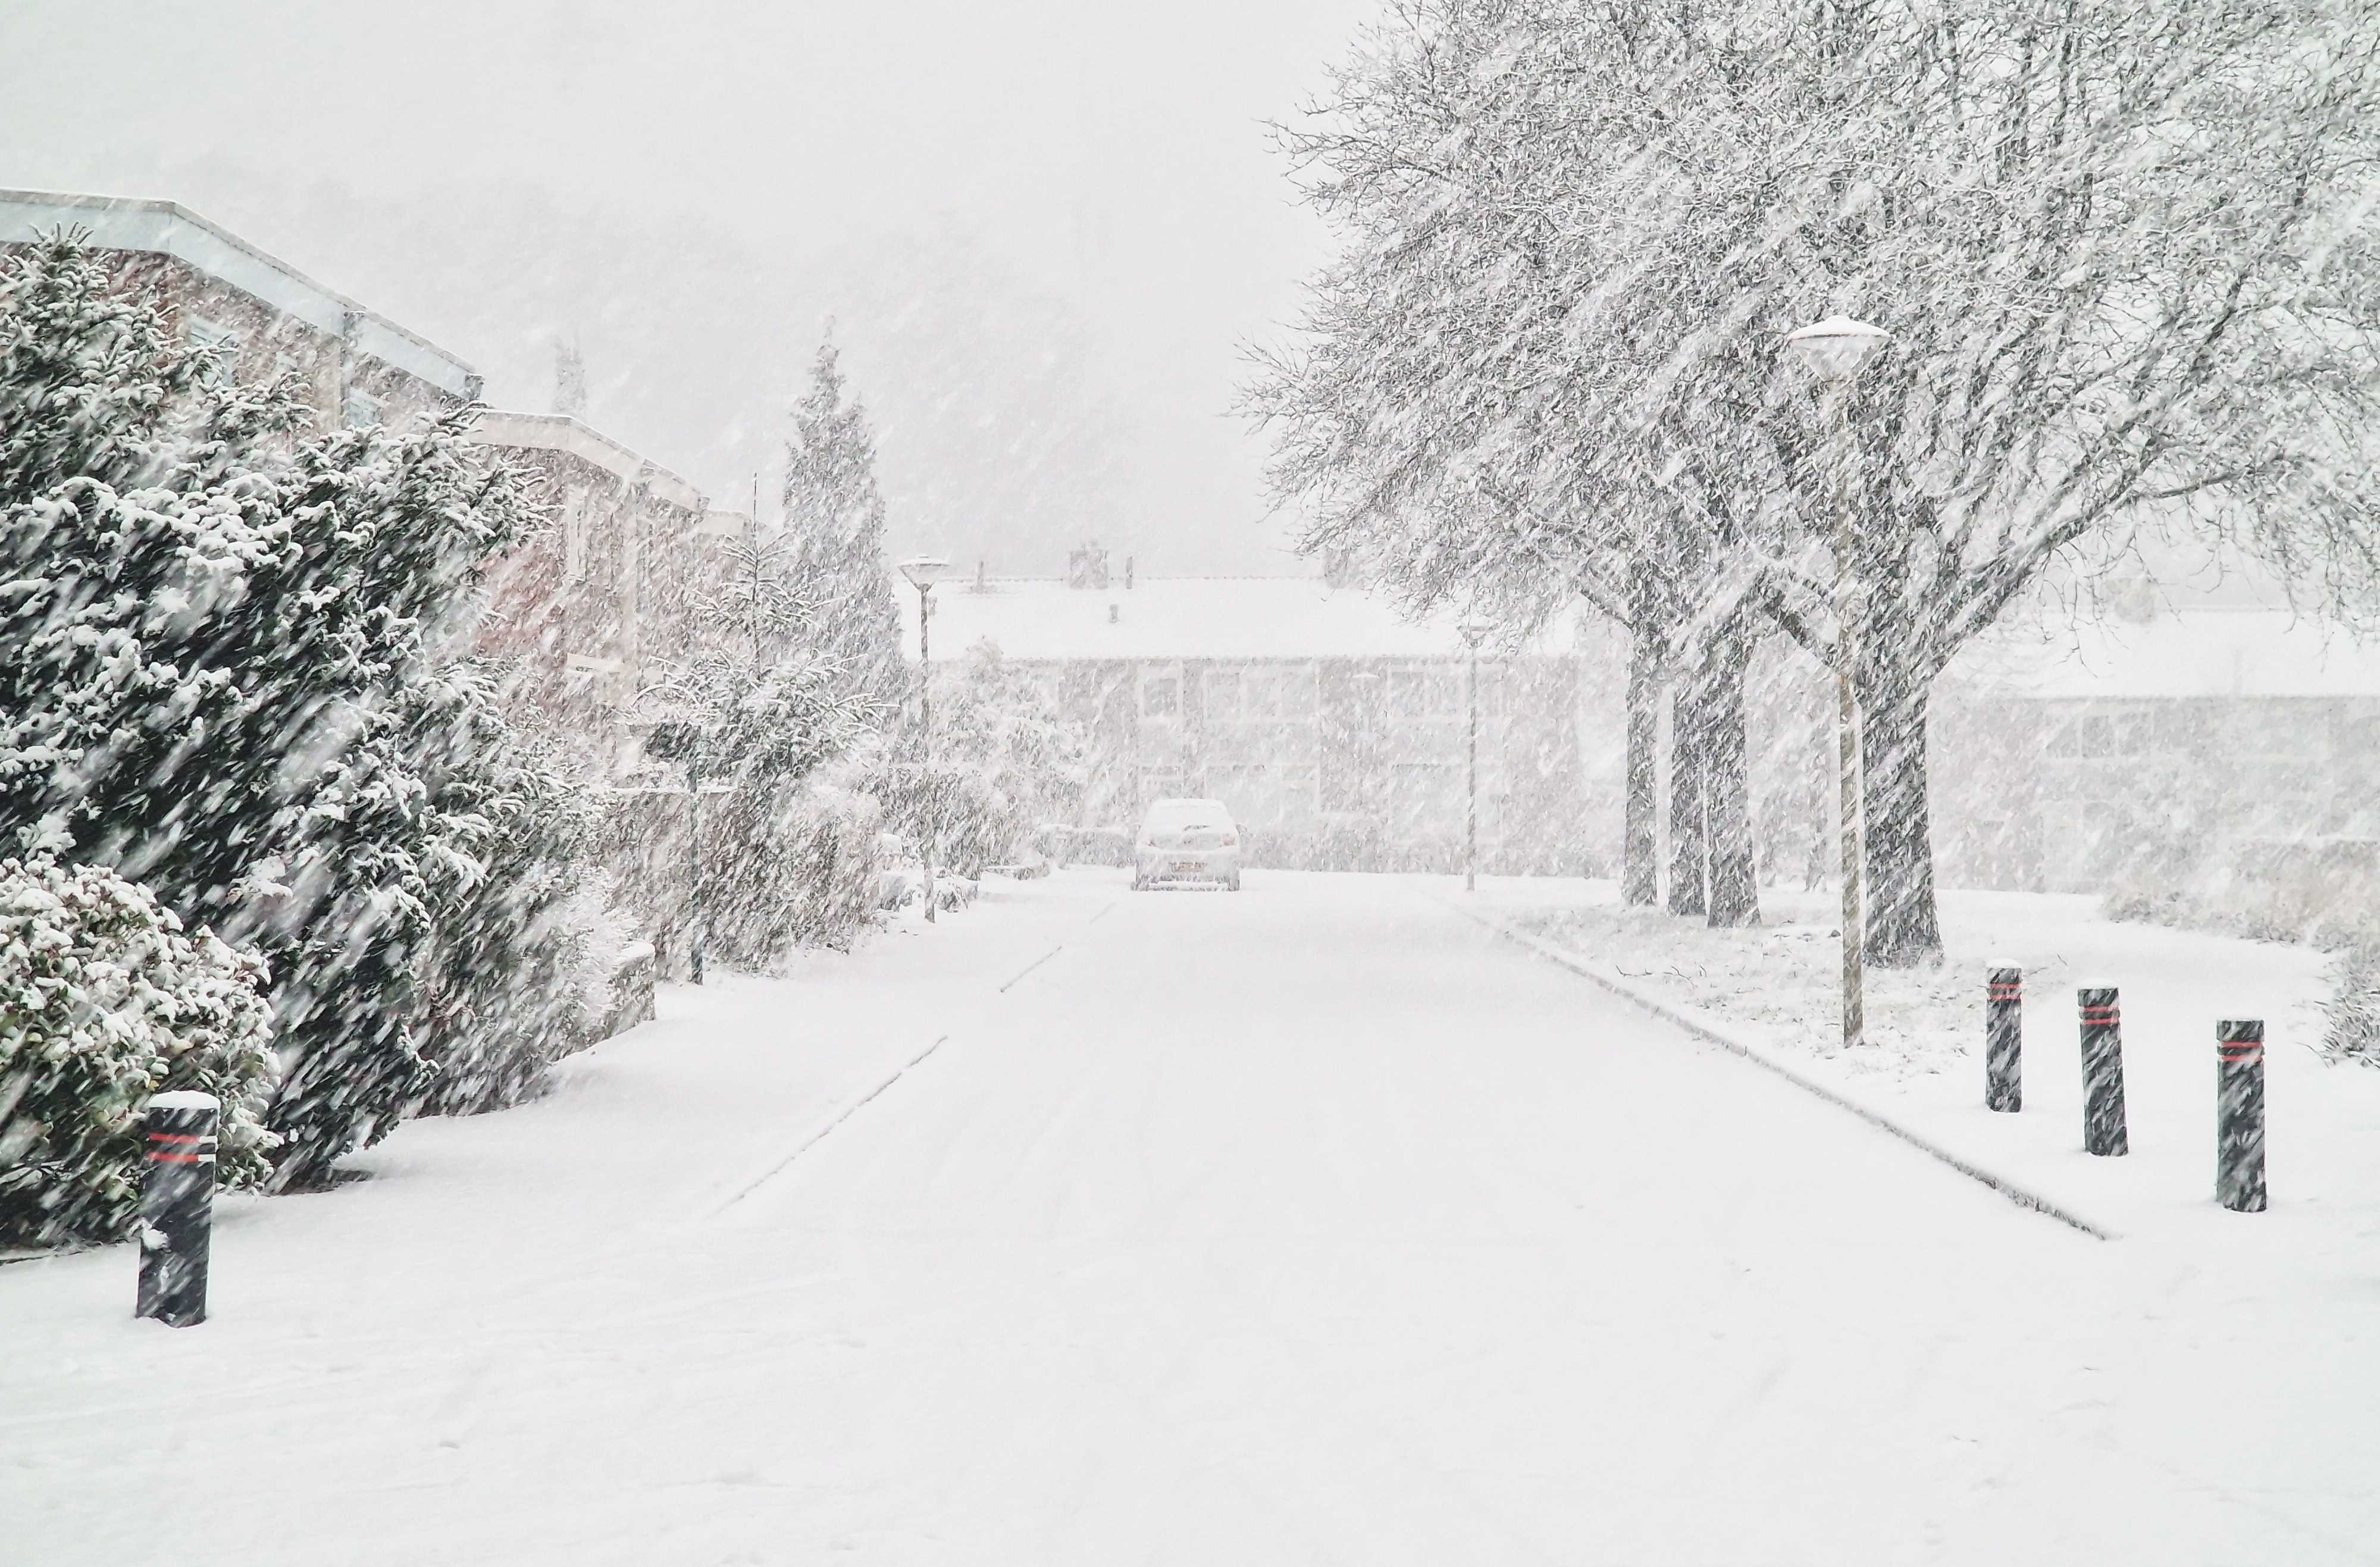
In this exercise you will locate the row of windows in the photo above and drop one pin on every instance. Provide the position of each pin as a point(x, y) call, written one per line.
point(2128, 734)
point(1411, 796)
point(1234, 695)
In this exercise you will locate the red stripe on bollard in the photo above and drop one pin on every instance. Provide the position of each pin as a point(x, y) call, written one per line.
point(2003, 1040)
point(177, 1208)
point(2103, 1128)
point(2240, 1116)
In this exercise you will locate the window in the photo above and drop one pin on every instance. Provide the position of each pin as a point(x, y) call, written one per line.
point(2104, 736)
point(362, 410)
point(1223, 695)
point(1423, 693)
point(1160, 697)
point(205, 334)
point(1260, 694)
point(1423, 796)
point(1250, 789)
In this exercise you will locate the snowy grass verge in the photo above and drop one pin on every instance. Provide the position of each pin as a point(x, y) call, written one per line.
point(1774, 988)
point(1705, 1025)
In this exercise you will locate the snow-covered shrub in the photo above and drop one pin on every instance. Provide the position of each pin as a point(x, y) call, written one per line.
point(223, 655)
point(796, 869)
point(518, 932)
point(2351, 1017)
point(105, 1000)
point(830, 840)
point(974, 823)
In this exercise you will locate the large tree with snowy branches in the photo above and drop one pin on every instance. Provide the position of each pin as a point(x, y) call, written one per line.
point(2122, 250)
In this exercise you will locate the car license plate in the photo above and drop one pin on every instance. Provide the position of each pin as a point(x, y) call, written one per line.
point(1182, 866)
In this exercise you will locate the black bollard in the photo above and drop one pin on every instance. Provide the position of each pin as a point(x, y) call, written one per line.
point(2004, 1041)
point(2103, 1074)
point(177, 1199)
point(2240, 1116)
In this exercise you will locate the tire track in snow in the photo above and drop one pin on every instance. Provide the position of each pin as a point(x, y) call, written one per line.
point(849, 1110)
point(821, 1135)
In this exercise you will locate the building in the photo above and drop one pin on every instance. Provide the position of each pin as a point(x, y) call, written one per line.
point(2176, 742)
point(583, 612)
point(359, 368)
point(580, 611)
point(1337, 730)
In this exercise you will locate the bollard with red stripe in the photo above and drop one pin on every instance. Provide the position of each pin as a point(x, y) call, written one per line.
point(2240, 1116)
point(2004, 1041)
point(2104, 1131)
point(177, 1199)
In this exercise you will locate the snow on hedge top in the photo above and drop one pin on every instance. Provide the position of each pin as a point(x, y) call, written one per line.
point(1162, 617)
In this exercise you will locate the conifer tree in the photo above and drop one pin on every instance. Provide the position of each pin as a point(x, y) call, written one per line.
point(834, 513)
point(226, 671)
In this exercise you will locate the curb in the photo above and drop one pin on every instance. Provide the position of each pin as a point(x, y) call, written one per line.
point(1703, 1026)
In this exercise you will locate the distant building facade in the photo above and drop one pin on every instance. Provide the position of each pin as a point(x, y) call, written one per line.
point(1338, 733)
point(2191, 740)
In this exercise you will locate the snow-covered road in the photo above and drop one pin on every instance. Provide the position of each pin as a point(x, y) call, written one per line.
point(1304, 1225)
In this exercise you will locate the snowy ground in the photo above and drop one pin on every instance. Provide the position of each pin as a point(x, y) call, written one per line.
point(1779, 986)
point(1312, 1225)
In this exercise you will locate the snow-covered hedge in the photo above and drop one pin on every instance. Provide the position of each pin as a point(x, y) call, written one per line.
point(105, 1001)
point(787, 870)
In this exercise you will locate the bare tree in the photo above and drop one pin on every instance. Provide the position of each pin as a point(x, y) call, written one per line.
point(2121, 249)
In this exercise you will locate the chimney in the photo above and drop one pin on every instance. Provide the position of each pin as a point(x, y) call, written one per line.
point(1115, 614)
point(1127, 574)
point(982, 572)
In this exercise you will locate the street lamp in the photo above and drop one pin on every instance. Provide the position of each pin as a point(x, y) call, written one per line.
point(923, 572)
point(1835, 348)
point(1475, 629)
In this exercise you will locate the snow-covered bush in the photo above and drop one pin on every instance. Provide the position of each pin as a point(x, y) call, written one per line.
point(523, 929)
point(787, 869)
point(105, 1000)
point(2351, 1017)
point(225, 655)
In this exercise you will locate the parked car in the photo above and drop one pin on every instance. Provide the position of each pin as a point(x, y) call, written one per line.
point(1186, 841)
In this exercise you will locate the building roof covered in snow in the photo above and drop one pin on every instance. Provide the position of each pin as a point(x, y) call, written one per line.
point(167, 228)
point(2190, 651)
point(1165, 617)
point(562, 432)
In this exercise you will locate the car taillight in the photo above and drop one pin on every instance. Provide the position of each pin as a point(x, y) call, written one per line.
point(1231, 841)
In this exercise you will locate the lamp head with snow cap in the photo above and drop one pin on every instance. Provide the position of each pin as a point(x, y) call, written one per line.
point(1837, 347)
point(924, 571)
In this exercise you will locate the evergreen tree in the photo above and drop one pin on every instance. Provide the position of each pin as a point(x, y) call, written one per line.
point(834, 514)
point(225, 671)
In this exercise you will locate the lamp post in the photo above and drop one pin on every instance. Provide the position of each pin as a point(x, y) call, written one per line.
point(1834, 350)
point(923, 572)
point(1475, 630)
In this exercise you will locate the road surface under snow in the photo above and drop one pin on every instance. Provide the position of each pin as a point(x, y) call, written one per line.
point(1309, 1224)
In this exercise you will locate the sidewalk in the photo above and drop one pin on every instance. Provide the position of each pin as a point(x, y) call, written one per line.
point(1775, 991)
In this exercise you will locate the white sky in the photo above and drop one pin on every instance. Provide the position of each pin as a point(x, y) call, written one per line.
point(1113, 152)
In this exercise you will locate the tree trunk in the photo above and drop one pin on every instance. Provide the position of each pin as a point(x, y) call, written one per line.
point(1903, 929)
point(1640, 846)
point(1689, 763)
point(1727, 785)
